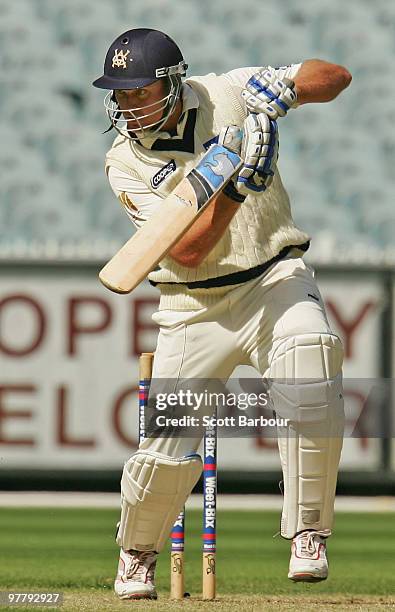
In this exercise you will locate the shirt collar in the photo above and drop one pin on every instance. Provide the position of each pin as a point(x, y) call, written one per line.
point(189, 101)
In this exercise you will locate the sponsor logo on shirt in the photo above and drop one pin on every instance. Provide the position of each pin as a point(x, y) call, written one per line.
point(163, 173)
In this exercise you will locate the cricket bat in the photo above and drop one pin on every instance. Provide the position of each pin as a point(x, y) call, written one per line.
point(149, 245)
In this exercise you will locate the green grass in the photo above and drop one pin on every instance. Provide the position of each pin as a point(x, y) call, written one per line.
point(73, 550)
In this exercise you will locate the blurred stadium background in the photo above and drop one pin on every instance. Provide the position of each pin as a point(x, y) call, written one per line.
point(69, 348)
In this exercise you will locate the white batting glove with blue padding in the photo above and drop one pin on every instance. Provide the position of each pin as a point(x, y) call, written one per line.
point(257, 144)
point(259, 152)
point(266, 93)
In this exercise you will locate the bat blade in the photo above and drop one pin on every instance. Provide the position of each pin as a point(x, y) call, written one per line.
point(149, 245)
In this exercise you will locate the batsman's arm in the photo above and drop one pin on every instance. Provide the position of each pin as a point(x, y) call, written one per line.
point(257, 143)
point(177, 213)
point(320, 81)
point(204, 234)
point(275, 91)
point(199, 240)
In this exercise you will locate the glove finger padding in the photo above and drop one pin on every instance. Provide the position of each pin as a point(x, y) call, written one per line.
point(259, 152)
point(266, 93)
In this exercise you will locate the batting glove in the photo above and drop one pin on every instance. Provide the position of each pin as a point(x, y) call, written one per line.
point(259, 152)
point(266, 93)
point(231, 137)
point(257, 144)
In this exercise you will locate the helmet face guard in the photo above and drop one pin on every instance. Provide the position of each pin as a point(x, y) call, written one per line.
point(165, 105)
point(136, 59)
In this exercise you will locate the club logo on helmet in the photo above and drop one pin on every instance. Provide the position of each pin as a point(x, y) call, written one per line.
point(119, 59)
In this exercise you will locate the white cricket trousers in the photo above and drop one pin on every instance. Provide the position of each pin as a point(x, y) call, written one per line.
point(243, 328)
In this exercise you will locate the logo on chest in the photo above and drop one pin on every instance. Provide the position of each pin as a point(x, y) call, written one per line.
point(163, 173)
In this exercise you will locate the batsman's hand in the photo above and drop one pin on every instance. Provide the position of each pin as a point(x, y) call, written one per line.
point(266, 93)
point(257, 144)
point(259, 152)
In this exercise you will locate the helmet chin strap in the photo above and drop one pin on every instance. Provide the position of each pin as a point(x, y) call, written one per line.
point(115, 114)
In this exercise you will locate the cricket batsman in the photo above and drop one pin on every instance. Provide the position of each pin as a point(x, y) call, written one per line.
point(233, 290)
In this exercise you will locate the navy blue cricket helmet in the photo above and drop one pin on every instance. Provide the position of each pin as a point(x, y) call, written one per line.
point(140, 57)
point(136, 59)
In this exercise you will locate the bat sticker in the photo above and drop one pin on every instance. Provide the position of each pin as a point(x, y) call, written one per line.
point(218, 165)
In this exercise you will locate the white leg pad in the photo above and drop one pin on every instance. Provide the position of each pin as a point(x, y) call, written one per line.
point(154, 489)
point(306, 388)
